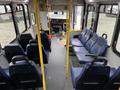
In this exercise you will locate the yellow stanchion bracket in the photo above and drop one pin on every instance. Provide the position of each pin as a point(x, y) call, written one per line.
point(36, 2)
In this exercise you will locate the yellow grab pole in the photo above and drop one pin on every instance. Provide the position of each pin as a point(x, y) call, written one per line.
point(39, 42)
point(68, 19)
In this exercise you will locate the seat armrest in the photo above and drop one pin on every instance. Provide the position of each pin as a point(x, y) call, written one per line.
point(19, 58)
point(77, 35)
point(92, 55)
point(96, 56)
point(100, 59)
point(77, 46)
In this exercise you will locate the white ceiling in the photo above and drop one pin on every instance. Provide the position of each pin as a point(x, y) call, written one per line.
point(103, 1)
point(14, 0)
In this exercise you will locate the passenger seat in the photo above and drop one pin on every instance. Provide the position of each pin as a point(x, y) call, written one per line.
point(13, 50)
point(24, 40)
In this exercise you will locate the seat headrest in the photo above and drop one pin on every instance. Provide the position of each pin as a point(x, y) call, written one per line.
point(33, 41)
point(99, 47)
point(19, 58)
point(13, 50)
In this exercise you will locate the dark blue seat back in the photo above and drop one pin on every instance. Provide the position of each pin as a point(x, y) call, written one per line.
point(46, 42)
point(93, 77)
point(86, 37)
point(91, 41)
point(114, 81)
point(13, 50)
point(100, 47)
point(5, 80)
point(25, 75)
point(82, 33)
point(24, 39)
point(33, 53)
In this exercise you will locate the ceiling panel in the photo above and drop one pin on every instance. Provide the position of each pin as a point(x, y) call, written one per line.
point(103, 1)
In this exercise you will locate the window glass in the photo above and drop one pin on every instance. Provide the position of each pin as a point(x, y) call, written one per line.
point(2, 9)
point(55, 12)
point(115, 9)
point(106, 25)
point(108, 8)
point(118, 44)
point(90, 16)
point(20, 20)
point(7, 31)
point(102, 9)
point(33, 18)
point(27, 16)
point(8, 8)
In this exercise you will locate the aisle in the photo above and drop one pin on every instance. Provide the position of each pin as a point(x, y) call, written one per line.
point(56, 68)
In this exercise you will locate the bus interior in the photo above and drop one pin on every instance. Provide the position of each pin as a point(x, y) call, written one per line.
point(59, 45)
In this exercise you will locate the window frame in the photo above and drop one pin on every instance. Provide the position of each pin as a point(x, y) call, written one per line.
point(107, 13)
point(24, 19)
point(117, 42)
point(12, 19)
point(116, 33)
point(28, 15)
point(93, 11)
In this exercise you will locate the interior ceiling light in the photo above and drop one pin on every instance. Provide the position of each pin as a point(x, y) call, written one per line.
point(26, 1)
point(91, 0)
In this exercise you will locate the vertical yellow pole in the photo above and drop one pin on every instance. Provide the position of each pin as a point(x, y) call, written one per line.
point(39, 42)
point(47, 5)
point(68, 19)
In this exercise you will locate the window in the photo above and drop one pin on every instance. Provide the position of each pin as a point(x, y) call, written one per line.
point(33, 18)
point(115, 9)
point(2, 9)
point(7, 31)
point(112, 9)
point(90, 16)
point(27, 16)
point(8, 8)
point(77, 17)
point(20, 19)
point(102, 9)
point(106, 25)
point(118, 44)
point(55, 12)
point(108, 9)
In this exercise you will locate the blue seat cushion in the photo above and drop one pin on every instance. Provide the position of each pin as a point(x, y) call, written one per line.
point(83, 59)
point(91, 41)
point(100, 47)
point(86, 37)
point(75, 73)
point(112, 71)
point(80, 50)
point(76, 41)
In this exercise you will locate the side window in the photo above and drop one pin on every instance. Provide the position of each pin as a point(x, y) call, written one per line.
point(33, 18)
point(2, 9)
point(118, 44)
point(20, 18)
point(90, 16)
point(108, 9)
point(8, 8)
point(7, 31)
point(27, 16)
point(106, 24)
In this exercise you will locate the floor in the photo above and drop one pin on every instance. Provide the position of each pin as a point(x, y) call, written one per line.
point(56, 79)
